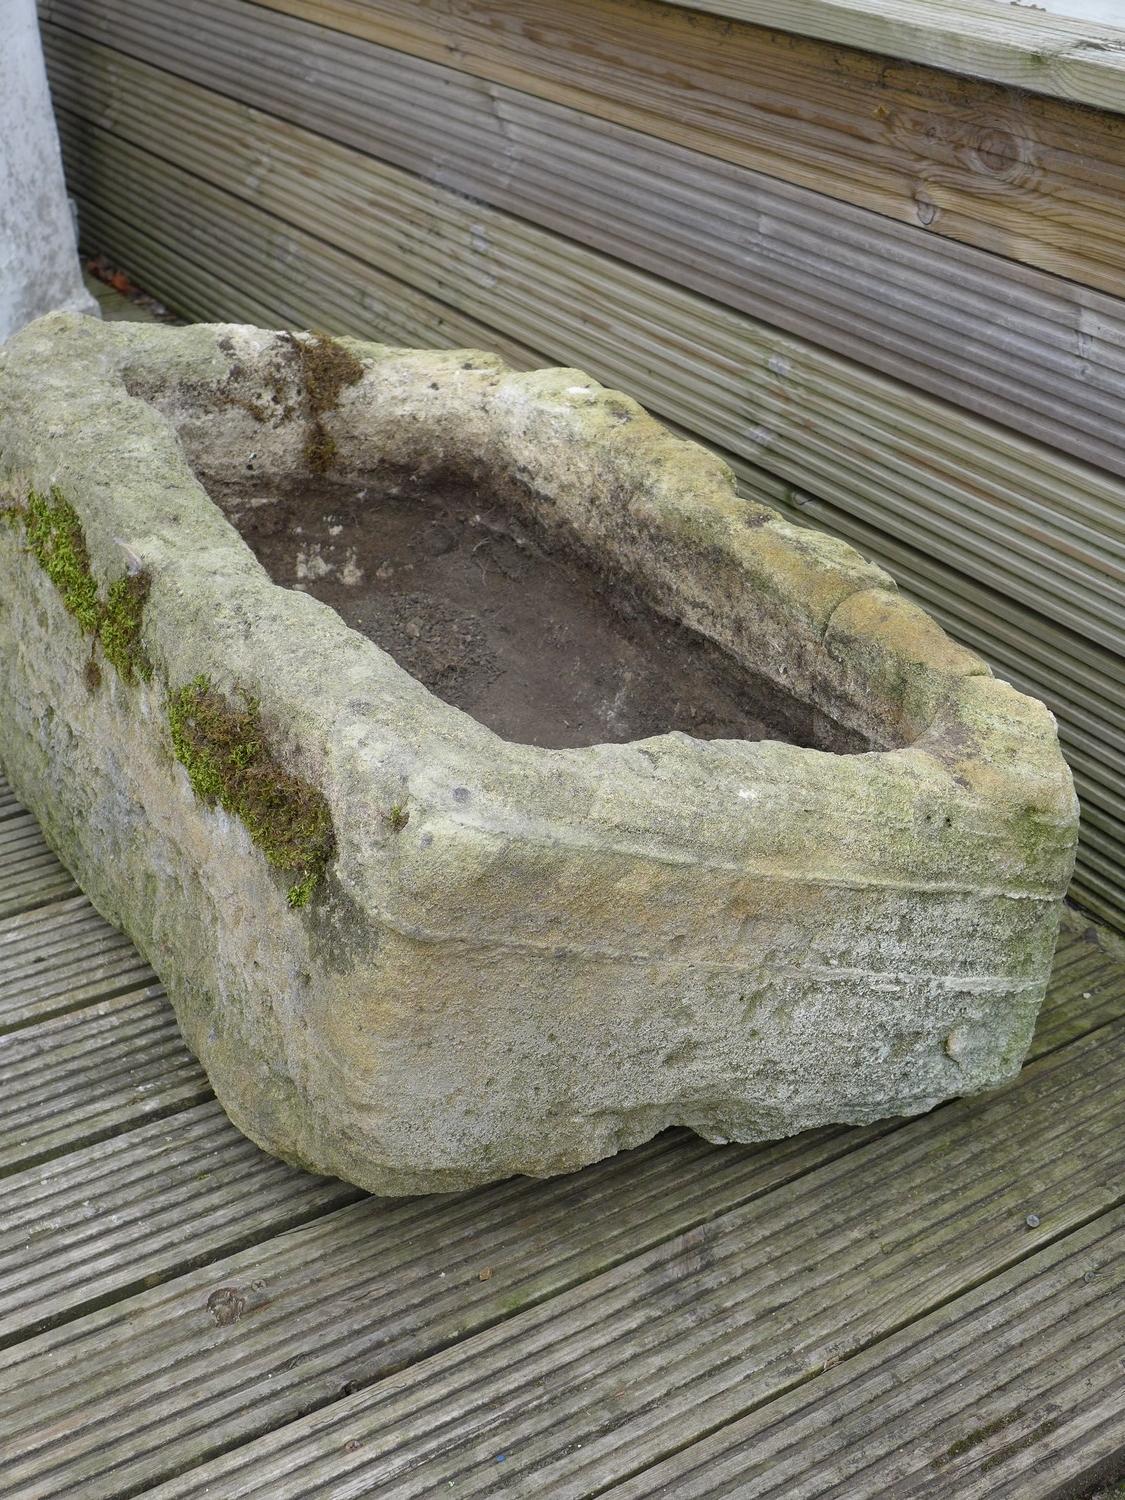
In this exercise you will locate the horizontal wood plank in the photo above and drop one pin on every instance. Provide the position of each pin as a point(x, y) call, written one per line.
point(1032, 178)
point(36, 879)
point(615, 1376)
point(1030, 350)
point(995, 1397)
point(9, 806)
point(296, 1322)
point(1061, 55)
point(91, 1074)
point(103, 1221)
point(60, 956)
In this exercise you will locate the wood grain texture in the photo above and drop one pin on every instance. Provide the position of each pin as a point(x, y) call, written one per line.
point(60, 956)
point(105, 1220)
point(603, 1381)
point(31, 876)
point(1048, 54)
point(1037, 353)
point(225, 1354)
point(9, 807)
point(979, 1401)
point(341, 1303)
point(1029, 177)
point(90, 1074)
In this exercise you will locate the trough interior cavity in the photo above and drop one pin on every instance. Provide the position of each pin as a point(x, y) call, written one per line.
point(499, 619)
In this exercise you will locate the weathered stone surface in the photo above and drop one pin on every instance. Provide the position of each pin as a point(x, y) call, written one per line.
point(513, 959)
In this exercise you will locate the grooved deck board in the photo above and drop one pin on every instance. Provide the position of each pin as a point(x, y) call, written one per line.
point(609, 1378)
point(32, 877)
point(1040, 354)
point(341, 1303)
point(348, 1299)
point(16, 833)
point(1065, 56)
point(927, 1413)
point(106, 1219)
point(9, 806)
point(61, 956)
point(87, 1075)
point(1026, 177)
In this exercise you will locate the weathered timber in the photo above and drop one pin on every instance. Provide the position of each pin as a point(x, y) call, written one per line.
point(1040, 354)
point(103, 1221)
point(32, 875)
point(60, 957)
point(1029, 177)
point(618, 1374)
point(89, 1074)
point(989, 1397)
point(1060, 55)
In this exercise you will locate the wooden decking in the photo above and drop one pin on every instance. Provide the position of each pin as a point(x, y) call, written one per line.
point(924, 1308)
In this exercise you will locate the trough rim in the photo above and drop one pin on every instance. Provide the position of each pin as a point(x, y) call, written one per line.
point(966, 706)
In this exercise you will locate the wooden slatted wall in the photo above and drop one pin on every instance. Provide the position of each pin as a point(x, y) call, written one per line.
point(893, 297)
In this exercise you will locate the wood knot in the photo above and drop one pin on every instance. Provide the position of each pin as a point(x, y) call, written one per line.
point(226, 1305)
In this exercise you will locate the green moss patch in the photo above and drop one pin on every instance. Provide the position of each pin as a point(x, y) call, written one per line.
point(119, 628)
point(223, 748)
point(57, 542)
point(326, 369)
point(398, 816)
point(224, 751)
point(55, 537)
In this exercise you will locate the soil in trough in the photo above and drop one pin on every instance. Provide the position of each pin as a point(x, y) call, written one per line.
point(538, 647)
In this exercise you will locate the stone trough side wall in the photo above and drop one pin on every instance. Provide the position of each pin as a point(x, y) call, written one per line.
point(512, 959)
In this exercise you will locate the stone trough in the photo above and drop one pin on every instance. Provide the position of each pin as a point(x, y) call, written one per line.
point(653, 811)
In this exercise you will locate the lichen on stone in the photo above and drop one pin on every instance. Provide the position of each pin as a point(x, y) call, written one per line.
point(223, 748)
point(326, 368)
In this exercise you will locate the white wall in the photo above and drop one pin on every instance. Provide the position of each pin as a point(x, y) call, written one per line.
point(38, 257)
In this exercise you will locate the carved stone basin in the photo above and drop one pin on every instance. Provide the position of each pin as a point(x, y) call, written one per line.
point(547, 794)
